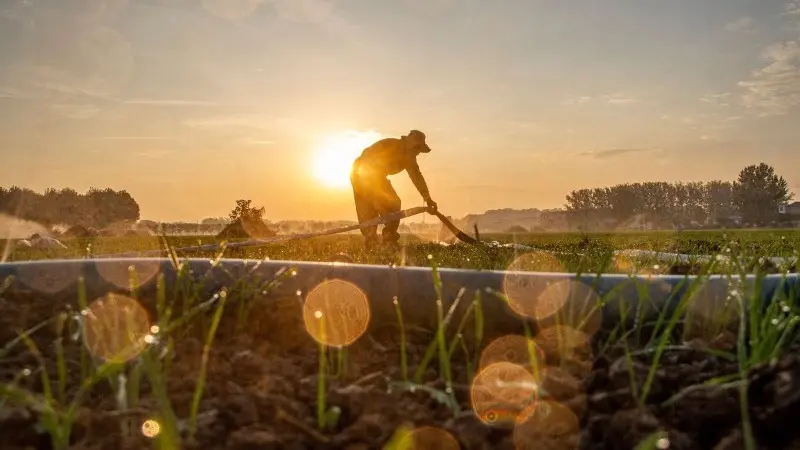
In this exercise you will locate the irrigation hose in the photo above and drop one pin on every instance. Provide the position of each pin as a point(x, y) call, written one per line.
point(300, 236)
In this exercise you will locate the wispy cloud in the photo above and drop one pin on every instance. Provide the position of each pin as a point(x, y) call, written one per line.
point(259, 142)
point(43, 81)
point(255, 121)
point(75, 110)
point(775, 88)
point(619, 99)
point(741, 25)
point(611, 99)
point(132, 138)
point(573, 101)
point(793, 8)
point(614, 152)
point(12, 93)
point(168, 102)
point(722, 99)
point(152, 154)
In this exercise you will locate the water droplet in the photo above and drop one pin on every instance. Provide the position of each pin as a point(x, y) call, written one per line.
point(149, 339)
point(154, 329)
point(662, 444)
point(318, 314)
point(26, 372)
point(430, 257)
point(299, 292)
point(223, 294)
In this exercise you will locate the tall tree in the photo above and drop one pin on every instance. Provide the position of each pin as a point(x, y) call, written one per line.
point(245, 212)
point(758, 192)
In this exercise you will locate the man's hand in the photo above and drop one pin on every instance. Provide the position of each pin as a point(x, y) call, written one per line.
point(431, 204)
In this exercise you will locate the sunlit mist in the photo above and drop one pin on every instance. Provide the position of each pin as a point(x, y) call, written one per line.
point(335, 154)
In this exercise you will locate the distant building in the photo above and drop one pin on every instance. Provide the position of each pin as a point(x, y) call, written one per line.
point(791, 209)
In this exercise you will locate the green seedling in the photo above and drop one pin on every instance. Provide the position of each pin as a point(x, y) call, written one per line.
point(201, 379)
point(403, 352)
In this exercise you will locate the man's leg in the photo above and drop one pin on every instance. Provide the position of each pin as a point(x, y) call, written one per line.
point(365, 210)
point(388, 202)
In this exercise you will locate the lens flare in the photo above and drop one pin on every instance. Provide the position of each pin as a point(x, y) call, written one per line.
point(151, 428)
point(549, 425)
point(514, 349)
point(566, 344)
point(336, 313)
point(48, 279)
point(571, 303)
point(116, 328)
point(524, 291)
point(500, 392)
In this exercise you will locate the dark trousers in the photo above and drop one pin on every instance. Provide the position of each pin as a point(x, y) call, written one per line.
point(374, 196)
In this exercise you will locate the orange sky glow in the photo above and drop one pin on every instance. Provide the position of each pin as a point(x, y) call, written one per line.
point(190, 106)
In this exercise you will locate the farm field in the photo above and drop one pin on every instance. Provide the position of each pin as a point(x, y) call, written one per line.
point(570, 252)
point(249, 367)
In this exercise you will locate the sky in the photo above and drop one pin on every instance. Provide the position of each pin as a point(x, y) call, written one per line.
point(190, 105)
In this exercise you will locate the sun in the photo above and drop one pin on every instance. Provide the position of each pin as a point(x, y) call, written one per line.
point(335, 155)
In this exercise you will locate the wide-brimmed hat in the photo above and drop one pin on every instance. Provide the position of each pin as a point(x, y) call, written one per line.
point(419, 138)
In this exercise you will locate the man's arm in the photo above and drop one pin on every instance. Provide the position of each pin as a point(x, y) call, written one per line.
point(419, 181)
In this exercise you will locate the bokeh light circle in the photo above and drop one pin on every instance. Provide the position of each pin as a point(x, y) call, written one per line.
point(566, 344)
point(116, 328)
point(151, 428)
point(336, 313)
point(524, 290)
point(515, 349)
point(500, 392)
point(547, 425)
point(713, 309)
point(48, 278)
point(570, 303)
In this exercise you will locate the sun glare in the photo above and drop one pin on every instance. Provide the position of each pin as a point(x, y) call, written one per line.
point(335, 155)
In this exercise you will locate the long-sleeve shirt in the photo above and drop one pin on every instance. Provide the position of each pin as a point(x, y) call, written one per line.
point(389, 157)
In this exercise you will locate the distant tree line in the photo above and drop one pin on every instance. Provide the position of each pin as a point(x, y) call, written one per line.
point(97, 208)
point(753, 198)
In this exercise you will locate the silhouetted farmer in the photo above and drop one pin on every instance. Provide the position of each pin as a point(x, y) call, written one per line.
point(374, 194)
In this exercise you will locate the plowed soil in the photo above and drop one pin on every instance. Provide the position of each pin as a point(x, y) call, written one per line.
point(261, 393)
